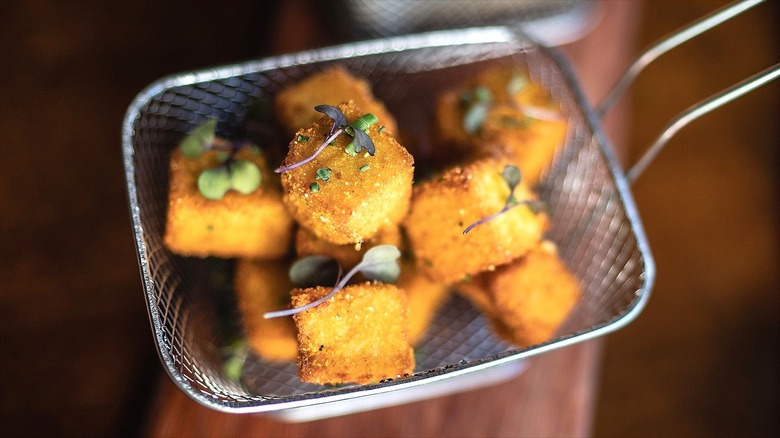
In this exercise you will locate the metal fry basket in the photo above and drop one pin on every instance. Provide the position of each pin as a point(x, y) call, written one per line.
point(190, 301)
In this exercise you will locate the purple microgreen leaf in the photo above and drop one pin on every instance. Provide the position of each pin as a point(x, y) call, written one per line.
point(335, 114)
point(363, 141)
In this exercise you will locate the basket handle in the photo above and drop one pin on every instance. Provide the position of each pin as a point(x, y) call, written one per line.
point(705, 106)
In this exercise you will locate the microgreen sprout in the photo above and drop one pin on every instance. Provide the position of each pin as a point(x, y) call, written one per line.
point(236, 355)
point(379, 263)
point(478, 101)
point(356, 129)
point(240, 175)
point(512, 176)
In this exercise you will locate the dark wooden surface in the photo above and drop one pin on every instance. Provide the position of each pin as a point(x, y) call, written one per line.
point(76, 355)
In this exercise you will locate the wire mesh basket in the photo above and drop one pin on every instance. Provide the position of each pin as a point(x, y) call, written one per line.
point(190, 301)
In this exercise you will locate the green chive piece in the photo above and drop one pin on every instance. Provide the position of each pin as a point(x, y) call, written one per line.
point(314, 187)
point(364, 122)
point(324, 173)
point(364, 167)
point(381, 128)
point(303, 138)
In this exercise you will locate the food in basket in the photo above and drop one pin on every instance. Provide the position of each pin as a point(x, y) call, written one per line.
point(500, 112)
point(442, 208)
point(294, 105)
point(263, 286)
point(346, 195)
point(347, 187)
point(359, 335)
point(243, 221)
point(528, 299)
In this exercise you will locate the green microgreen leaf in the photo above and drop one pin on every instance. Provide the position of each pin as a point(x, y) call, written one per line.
point(516, 84)
point(323, 173)
point(314, 270)
point(236, 355)
point(475, 117)
point(214, 183)
point(512, 176)
point(378, 263)
point(199, 140)
point(245, 176)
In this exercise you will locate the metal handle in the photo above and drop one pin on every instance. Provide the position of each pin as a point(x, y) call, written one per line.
point(699, 109)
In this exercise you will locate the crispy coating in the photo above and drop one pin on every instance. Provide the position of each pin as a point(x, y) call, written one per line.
point(254, 225)
point(442, 208)
point(424, 297)
point(294, 105)
point(306, 243)
point(359, 335)
point(363, 195)
point(508, 129)
point(527, 300)
point(264, 286)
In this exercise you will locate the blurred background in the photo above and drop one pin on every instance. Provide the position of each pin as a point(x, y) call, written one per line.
point(76, 351)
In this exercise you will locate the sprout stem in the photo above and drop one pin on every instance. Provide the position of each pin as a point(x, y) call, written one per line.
point(325, 143)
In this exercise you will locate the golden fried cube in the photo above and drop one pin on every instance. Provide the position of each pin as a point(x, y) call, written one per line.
point(359, 335)
point(294, 105)
point(424, 297)
point(444, 207)
point(254, 225)
point(528, 299)
point(520, 116)
point(306, 243)
point(362, 195)
point(264, 286)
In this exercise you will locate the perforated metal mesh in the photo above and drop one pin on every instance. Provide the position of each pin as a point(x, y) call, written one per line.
point(190, 300)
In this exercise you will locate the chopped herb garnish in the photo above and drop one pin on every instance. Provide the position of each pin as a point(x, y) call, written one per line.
point(236, 355)
point(240, 175)
point(364, 167)
point(381, 128)
point(478, 103)
point(324, 173)
point(303, 138)
point(314, 187)
point(512, 176)
point(379, 263)
point(355, 129)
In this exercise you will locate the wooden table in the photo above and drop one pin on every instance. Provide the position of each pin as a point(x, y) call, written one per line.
point(554, 396)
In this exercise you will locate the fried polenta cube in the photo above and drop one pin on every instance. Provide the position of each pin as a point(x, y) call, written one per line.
point(345, 198)
point(294, 105)
point(502, 107)
point(306, 243)
point(444, 207)
point(527, 300)
point(424, 297)
point(264, 286)
point(253, 225)
point(359, 335)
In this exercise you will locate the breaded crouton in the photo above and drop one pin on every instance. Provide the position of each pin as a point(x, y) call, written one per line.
point(361, 195)
point(294, 105)
point(254, 225)
point(264, 286)
point(443, 208)
point(306, 243)
point(527, 300)
point(359, 335)
point(424, 297)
